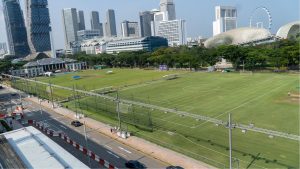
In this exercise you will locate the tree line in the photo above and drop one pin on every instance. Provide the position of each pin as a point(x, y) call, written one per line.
point(283, 54)
point(280, 55)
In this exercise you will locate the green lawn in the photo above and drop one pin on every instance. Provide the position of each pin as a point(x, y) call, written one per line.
point(260, 99)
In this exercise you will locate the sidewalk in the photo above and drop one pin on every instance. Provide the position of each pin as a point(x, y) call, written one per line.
point(151, 149)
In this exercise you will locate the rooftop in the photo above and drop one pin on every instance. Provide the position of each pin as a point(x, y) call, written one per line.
point(36, 150)
point(48, 61)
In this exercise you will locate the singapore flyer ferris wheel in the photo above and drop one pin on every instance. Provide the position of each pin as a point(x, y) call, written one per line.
point(261, 18)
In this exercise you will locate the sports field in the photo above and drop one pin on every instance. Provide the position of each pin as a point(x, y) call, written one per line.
point(260, 99)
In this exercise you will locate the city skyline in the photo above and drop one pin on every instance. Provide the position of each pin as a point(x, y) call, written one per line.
point(198, 23)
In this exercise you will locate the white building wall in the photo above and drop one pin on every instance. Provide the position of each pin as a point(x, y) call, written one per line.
point(174, 31)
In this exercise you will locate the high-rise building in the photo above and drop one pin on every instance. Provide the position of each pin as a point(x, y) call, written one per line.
point(95, 22)
point(130, 29)
point(70, 26)
point(146, 18)
point(3, 48)
point(110, 25)
point(38, 25)
point(81, 21)
point(15, 28)
point(174, 31)
point(225, 19)
point(168, 6)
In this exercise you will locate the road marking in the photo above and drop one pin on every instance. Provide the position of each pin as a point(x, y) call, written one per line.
point(123, 155)
point(108, 147)
point(63, 127)
point(112, 154)
point(127, 151)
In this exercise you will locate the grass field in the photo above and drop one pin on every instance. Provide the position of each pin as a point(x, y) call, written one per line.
point(260, 99)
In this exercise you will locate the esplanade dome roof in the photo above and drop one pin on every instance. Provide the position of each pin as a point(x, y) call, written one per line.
point(237, 36)
point(289, 30)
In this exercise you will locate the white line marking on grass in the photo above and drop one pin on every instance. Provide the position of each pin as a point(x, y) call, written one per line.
point(243, 104)
point(211, 149)
point(127, 151)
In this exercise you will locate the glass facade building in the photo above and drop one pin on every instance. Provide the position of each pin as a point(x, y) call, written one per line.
point(38, 25)
point(70, 26)
point(81, 21)
point(110, 25)
point(15, 28)
point(146, 18)
point(95, 22)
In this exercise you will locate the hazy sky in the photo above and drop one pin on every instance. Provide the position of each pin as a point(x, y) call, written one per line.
point(199, 14)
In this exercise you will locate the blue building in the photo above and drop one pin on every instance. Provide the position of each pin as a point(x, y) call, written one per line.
point(38, 25)
point(15, 28)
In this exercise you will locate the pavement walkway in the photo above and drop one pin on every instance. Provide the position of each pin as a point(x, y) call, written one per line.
point(151, 149)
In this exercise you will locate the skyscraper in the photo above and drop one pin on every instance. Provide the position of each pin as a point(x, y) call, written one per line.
point(146, 18)
point(3, 48)
point(38, 25)
point(81, 21)
point(15, 28)
point(70, 26)
point(169, 7)
point(174, 31)
point(110, 25)
point(130, 29)
point(95, 22)
point(226, 19)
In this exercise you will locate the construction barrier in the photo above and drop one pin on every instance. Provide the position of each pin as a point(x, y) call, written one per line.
point(67, 139)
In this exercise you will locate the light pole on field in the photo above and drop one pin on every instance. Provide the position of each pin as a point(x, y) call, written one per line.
point(118, 109)
point(230, 140)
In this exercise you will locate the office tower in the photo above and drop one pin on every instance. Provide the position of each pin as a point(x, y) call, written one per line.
point(173, 30)
point(15, 28)
point(130, 29)
point(168, 6)
point(110, 25)
point(95, 22)
point(81, 21)
point(70, 24)
point(3, 48)
point(226, 19)
point(146, 18)
point(38, 25)
point(161, 16)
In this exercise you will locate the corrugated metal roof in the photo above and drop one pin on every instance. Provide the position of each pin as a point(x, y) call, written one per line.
point(49, 61)
point(38, 151)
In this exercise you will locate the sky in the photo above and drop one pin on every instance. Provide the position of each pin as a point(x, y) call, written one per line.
point(199, 14)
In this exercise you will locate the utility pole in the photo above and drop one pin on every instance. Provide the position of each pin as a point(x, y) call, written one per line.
point(51, 94)
point(74, 97)
point(118, 109)
point(230, 141)
point(86, 141)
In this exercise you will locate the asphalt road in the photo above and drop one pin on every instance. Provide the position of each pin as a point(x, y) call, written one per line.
point(105, 147)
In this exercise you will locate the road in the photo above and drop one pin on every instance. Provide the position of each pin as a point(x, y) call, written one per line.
point(105, 147)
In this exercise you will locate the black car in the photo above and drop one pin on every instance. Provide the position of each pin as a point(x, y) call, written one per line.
point(134, 165)
point(76, 123)
point(174, 167)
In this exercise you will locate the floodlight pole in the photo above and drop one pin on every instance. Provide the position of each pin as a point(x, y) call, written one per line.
point(86, 141)
point(230, 141)
point(118, 109)
point(75, 100)
point(51, 94)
